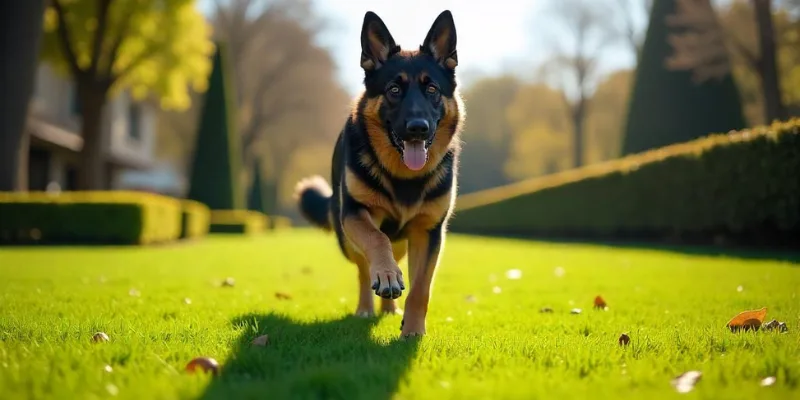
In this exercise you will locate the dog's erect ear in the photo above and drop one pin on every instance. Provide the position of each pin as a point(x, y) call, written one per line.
point(441, 41)
point(377, 44)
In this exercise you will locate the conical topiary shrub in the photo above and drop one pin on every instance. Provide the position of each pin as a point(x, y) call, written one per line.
point(216, 164)
point(667, 106)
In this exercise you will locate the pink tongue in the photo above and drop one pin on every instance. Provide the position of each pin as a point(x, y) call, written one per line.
point(414, 154)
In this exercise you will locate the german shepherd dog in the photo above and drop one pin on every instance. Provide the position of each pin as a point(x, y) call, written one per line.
point(394, 169)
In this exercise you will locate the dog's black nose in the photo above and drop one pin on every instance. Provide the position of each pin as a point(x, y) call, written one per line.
point(417, 126)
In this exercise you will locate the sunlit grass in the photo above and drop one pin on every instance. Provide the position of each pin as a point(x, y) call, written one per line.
point(487, 338)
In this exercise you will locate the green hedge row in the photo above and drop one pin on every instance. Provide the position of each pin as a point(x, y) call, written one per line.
point(742, 186)
point(238, 221)
point(98, 217)
point(196, 219)
point(88, 217)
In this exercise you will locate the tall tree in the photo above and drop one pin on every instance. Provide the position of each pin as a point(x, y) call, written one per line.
point(216, 164)
point(669, 104)
point(289, 96)
point(487, 137)
point(153, 47)
point(629, 11)
point(696, 47)
point(584, 32)
point(255, 196)
point(22, 21)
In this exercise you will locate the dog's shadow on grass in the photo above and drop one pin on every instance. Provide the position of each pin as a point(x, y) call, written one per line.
point(337, 359)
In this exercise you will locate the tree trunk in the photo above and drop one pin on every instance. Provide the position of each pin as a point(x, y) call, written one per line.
point(22, 21)
point(768, 70)
point(578, 116)
point(92, 167)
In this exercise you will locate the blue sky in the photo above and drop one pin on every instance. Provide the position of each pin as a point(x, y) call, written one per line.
point(494, 36)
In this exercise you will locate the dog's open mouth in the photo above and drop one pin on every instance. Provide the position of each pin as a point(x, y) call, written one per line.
point(415, 154)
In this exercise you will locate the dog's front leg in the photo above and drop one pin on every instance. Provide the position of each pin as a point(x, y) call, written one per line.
point(361, 231)
point(425, 245)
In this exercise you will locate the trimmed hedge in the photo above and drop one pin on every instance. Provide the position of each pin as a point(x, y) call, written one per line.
point(741, 186)
point(238, 221)
point(280, 222)
point(196, 219)
point(92, 217)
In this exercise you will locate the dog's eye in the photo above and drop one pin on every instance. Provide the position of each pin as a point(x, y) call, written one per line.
point(432, 89)
point(394, 90)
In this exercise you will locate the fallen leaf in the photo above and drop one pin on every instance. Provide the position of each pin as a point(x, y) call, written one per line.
point(599, 303)
point(624, 339)
point(775, 324)
point(261, 341)
point(204, 364)
point(100, 337)
point(513, 274)
point(685, 382)
point(546, 310)
point(747, 320)
point(768, 381)
point(283, 296)
point(575, 311)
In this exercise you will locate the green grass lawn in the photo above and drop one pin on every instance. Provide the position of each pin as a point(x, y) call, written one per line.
point(495, 345)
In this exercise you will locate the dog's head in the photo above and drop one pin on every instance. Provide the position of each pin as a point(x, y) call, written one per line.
point(412, 94)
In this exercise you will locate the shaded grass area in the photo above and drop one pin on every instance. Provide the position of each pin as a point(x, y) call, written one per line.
point(486, 338)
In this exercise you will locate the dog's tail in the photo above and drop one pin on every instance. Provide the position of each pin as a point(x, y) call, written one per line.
point(313, 196)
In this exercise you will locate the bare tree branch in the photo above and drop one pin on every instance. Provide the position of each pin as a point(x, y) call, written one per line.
point(99, 34)
point(66, 40)
point(121, 35)
point(261, 117)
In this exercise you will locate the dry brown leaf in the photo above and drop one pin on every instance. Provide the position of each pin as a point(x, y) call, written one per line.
point(100, 337)
point(624, 339)
point(747, 320)
point(599, 303)
point(204, 364)
point(283, 296)
point(684, 383)
point(261, 341)
point(775, 324)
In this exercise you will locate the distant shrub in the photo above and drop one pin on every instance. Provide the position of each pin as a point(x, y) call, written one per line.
point(196, 219)
point(97, 217)
point(238, 221)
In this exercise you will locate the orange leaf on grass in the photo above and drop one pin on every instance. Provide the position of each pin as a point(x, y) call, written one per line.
point(600, 303)
point(747, 320)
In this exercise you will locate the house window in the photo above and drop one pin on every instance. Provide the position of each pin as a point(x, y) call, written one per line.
point(135, 121)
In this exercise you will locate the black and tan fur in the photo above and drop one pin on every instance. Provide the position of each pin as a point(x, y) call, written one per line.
point(380, 208)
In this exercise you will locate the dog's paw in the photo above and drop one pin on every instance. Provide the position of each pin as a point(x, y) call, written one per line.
point(387, 280)
point(411, 335)
point(408, 329)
